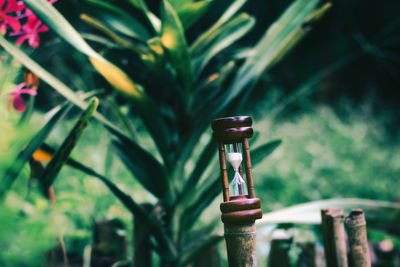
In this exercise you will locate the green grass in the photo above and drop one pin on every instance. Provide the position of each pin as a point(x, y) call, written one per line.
point(323, 156)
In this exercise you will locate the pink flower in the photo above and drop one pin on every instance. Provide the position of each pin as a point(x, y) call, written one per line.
point(30, 31)
point(18, 102)
point(5, 19)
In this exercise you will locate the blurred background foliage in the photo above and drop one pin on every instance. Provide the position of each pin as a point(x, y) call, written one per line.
point(332, 101)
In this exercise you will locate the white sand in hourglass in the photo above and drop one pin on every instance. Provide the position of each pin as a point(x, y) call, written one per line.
point(237, 186)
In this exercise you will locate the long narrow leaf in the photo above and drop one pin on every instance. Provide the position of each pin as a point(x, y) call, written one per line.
point(33, 145)
point(60, 157)
point(221, 38)
point(263, 151)
point(230, 12)
point(269, 48)
point(117, 38)
point(157, 229)
point(206, 93)
point(193, 212)
point(147, 170)
point(173, 39)
point(190, 12)
point(145, 106)
point(176, 4)
point(114, 75)
point(153, 20)
point(201, 165)
point(118, 19)
point(192, 250)
point(44, 75)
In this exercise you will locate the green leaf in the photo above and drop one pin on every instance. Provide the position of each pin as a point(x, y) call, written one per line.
point(201, 165)
point(300, 32)
point(33, 145)
point(269, 48)
point(174, 42)
point(118, 19)
point(193, 211)
point(156, 228)
point(62, 154)
point(230, 12)
point(120, 40)
point(193, 249)
point(220, 39)
point(376, 212)
point(146, 169)
point(145, 106)
point(177, 4)
point(44, 75)
point(207, 92)
point(151, 18)
point(114, 75)
point(190, 12)
point(263, 151)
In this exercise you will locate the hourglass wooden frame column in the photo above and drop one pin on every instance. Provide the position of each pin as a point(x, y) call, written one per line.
point(238, 212)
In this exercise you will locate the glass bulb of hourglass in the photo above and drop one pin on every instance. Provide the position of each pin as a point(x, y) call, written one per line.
point(238, 186)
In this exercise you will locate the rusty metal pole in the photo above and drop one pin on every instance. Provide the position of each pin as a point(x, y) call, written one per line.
point(239, 211)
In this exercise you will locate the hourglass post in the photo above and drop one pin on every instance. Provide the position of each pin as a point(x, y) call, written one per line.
point(240, 207)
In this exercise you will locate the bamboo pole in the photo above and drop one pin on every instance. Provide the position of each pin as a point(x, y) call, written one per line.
point(357, 231)
point(334, 237)
point(241, 245)
point(279, 254)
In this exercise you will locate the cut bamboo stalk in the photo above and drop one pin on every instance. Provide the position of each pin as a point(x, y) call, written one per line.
point(334, 237)
point(279, 254)
point(357, 231)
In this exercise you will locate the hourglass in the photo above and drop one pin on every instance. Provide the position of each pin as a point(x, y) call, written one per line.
point(232, 134)
point(240, 207)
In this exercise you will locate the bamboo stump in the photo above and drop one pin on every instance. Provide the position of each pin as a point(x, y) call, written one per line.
point(279, 253)
point(357, 231)
point(241, 244)
point(334, 237)
point(239, 217)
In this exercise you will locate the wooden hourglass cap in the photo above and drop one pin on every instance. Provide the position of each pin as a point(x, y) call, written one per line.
point(232, 129)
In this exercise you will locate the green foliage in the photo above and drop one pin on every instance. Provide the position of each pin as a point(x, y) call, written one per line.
point(62, 154)
point(26, 231)
point(328, 157)
point(29, 227)
point(24, 156)
point(176, 87)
